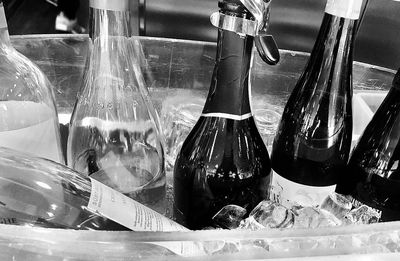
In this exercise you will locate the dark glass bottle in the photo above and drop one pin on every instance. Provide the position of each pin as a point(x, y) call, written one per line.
point(373, 172)
point(223, 160)
point(313, 140)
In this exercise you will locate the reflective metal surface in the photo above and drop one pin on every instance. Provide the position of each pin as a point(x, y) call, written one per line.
point(294, 25)
point(174, 65)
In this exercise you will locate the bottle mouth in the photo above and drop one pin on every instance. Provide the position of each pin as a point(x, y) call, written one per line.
point(111, 5)
point(234, 7)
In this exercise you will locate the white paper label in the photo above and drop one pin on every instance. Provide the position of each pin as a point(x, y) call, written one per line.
point(344, 8)
point(284, 190)
point(228, 116)
point(128, 212)
point(3, 21)
point(112, 5)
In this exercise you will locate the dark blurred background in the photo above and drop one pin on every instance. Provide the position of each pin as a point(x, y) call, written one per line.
point(294, 23)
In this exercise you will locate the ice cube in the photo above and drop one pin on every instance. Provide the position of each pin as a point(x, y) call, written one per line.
point(270, 214)
point(327, 219)
point(311, 217)
point(229, 216)
point(292, 245)
point(250, 224)
point(337, 204)
point(388, 239)
point(220, 247)
point(373, 249)
point(363, 215)
point(213, 246)
point(274, 194)
point(261, 244)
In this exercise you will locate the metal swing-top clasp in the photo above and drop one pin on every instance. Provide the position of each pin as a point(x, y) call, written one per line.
point(265, 43)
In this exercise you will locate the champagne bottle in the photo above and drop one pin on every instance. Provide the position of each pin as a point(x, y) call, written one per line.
point(28, 115)
point(373, 174)
point(115, 134)
point(223, 160)
point(312, 144)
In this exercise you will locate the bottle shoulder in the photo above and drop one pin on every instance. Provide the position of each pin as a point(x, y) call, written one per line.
point(214, 141)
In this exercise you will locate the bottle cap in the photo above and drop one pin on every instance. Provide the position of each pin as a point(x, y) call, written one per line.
point(344, 8)
point(112, 5)
point(3, 21)
point(234, 6)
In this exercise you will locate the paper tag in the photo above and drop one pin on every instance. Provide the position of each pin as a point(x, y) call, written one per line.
point(284, 190)
point(344, 8)
point(128, 212)
point(3, 21)
point(112, 5)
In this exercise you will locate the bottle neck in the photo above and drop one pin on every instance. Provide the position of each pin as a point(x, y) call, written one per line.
point(111, 51)
point(332, 55)
point(228, 96)
point(344, 8)
point(4, 36)
point(105, 22)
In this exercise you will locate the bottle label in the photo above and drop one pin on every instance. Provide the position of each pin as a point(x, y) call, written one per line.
point(228, 116)
point(131, 214)
point(3, 21)
point(112, 5)
point(285, 191)
point(126, 211)
point(344, 8)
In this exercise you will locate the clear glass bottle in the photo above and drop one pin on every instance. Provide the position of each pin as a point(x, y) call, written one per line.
point(312, 144)
point(28, 116)
point(40, 193)
point(115, 134)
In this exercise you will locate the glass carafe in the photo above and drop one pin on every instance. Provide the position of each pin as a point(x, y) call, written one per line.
point(115, 134)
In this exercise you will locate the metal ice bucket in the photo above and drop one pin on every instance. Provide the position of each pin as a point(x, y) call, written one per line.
point(172, 67)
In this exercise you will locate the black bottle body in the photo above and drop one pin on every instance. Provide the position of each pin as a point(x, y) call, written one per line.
point(373, 173)
point(313, 140)
point(223, 160)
